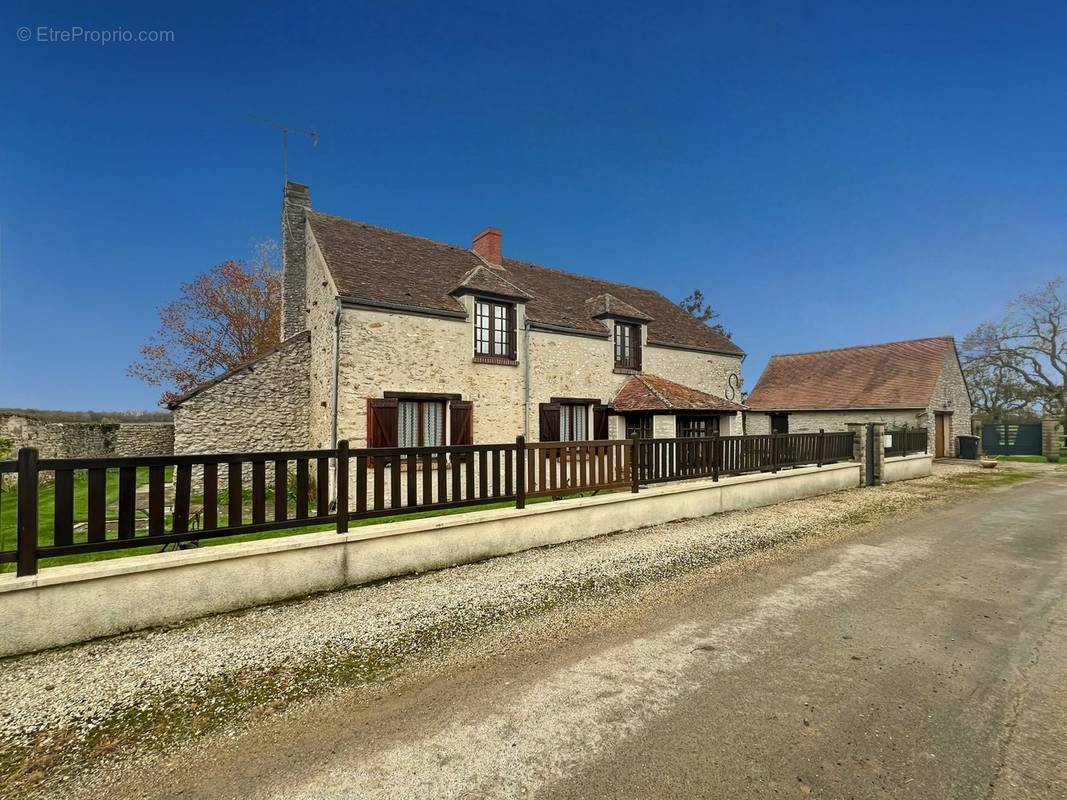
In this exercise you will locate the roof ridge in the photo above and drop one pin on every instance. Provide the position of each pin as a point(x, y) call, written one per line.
point(653, 389)
point(586, 277)
point(865, 346)
point(394, 231)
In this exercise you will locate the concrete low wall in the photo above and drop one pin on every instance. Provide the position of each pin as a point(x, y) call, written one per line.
point(68, 604)
point(904, 468)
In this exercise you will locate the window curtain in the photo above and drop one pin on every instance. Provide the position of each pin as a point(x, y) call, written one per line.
point(433, 424)
point(409, 423)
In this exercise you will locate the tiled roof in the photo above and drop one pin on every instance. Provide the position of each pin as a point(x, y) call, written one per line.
point(377, 265)
point(608, 305)
point(489, 281)
point(652, 393)
point(892, 375)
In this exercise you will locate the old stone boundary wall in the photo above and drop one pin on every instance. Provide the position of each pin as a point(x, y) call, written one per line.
point(84, 439)
point(68, 604)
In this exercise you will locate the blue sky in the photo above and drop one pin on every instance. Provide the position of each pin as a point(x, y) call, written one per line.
point(828, 173)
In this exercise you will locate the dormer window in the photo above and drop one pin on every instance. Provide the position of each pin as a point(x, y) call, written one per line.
point(494, 329)
point(627, 346)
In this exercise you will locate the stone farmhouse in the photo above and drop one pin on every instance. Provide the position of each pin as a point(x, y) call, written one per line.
point(390, 339)
point(918, 383)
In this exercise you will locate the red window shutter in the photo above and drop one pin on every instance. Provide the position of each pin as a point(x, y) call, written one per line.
point(600, 422)
point(461, 421)
point(382, 421)
point(549, 422)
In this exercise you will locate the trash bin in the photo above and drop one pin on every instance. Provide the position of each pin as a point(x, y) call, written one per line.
point(967, 447)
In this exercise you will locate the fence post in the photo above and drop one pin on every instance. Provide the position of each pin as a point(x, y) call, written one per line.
point(342, 486)
point(635, 451)
point(520, 471)
point(774, 452)
point(904, 440)
point(26, 547)
point(715, 443)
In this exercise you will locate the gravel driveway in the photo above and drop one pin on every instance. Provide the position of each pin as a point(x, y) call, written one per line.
point(65, 708)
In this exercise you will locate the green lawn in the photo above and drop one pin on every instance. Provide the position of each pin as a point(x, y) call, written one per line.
point(46, 519)
point(1024, 459)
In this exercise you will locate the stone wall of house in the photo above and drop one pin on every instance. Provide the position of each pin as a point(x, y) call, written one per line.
point(950, 394)
point(84, 439)
point(757, 423)
point(389, 352)
point(263, 406)
point(321, 296)
point(383, 351)
point(582, 367)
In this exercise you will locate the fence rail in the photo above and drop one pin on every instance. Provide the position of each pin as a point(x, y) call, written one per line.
point(906, 441)
point(663, 460)
point(75, 506)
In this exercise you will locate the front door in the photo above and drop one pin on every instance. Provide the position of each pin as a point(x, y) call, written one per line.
point(939, 434)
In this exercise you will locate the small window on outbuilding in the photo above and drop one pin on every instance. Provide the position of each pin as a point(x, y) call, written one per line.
point(779, 423)
point(697, 426)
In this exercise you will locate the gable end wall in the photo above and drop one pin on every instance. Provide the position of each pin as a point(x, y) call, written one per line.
point(263, 407)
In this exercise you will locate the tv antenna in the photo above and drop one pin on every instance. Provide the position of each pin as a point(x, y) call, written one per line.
point(313, 135)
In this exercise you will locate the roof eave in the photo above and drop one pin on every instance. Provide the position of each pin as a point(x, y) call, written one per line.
point(379, 305)
point(739, 353)
point(779, 408)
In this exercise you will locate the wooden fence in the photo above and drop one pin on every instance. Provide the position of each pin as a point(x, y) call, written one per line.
point(68, 507)
point(663, 460)
point(906, 441)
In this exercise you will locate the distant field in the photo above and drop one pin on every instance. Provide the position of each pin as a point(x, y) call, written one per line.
point(90, 416)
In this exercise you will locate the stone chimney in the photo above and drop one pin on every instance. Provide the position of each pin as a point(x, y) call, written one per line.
point(296, 200)
point(488, 245)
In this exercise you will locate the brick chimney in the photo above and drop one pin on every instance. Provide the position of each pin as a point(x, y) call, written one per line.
point(296, 200)
point(488, 245)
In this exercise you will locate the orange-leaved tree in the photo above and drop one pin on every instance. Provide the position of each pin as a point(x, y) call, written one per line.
point(223, 318)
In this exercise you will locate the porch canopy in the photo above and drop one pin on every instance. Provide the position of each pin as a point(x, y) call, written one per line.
point(650, 393)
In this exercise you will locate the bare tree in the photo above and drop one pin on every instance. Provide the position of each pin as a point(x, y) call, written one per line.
point(223, 318)
point(999, 395)
point(1027, 350)
point(696, 305)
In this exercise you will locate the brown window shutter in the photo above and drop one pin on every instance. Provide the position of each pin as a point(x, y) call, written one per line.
point(548, 429)
point(382, 421)
point(512, 339)
point(600, 422)
point(637, 345)
point(461, 421)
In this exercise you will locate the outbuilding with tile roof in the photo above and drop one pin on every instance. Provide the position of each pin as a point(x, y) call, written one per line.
point(918, 383)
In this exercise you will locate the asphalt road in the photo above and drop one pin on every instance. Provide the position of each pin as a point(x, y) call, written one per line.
point(926, 659)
